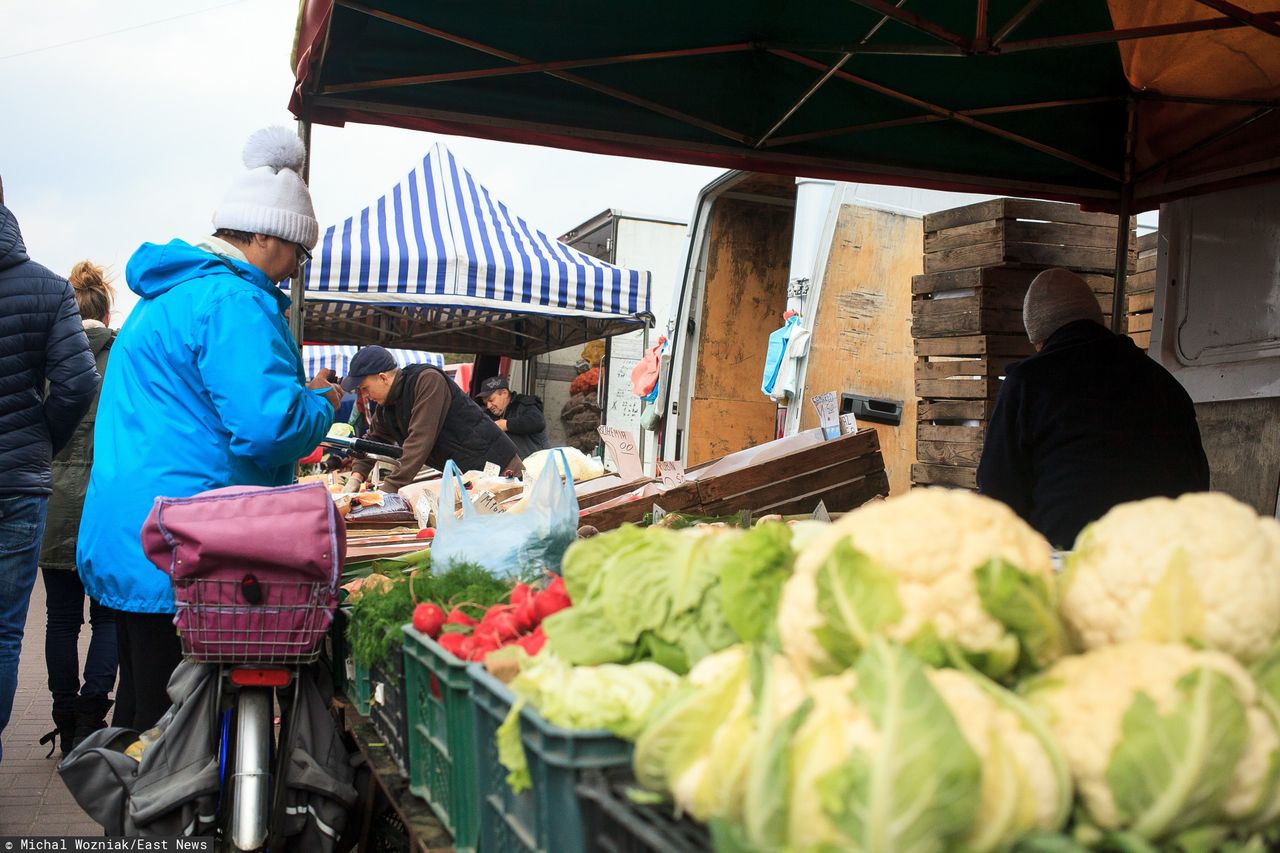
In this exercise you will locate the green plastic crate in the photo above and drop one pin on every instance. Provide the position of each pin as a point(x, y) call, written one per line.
point(442, 748)
point(361, 687)
point(547, 818)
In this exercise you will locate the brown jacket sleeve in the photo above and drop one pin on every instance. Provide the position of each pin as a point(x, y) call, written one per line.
point(430, 408)
point(376, 432)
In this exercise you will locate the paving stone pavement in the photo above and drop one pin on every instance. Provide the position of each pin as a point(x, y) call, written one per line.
point(33, 800)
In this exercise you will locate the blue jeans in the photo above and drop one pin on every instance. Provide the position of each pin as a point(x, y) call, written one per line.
point(64, 607)
point(21, 529)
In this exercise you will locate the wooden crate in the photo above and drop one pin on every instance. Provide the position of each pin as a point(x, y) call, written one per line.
point(1140, 291)
point(926, 474)
point(1021, 233)
point(986, 300)
point(843, 473)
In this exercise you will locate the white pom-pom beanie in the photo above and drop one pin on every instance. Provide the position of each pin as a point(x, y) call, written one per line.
point(1055, 298)
point(271, 198)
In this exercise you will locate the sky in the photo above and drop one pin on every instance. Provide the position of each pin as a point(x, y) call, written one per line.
point(124, 122)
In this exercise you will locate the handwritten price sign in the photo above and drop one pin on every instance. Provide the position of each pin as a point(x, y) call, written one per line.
point(622, 447)
point(671, 473)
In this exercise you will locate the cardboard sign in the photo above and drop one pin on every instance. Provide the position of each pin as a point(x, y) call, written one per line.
point(670, 473)
point(621, 445)
point(491, 470)
point(658, 514)
point(486, 503)
point(828, 414)
point(848, 424)
point(820, 512)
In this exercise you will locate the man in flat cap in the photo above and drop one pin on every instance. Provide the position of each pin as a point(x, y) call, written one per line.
point(1088, 422)
point(431, 418)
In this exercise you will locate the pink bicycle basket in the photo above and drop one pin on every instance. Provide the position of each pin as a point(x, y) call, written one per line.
point(255, 570)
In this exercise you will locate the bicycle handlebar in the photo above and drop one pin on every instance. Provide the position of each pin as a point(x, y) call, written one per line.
point(365, 446)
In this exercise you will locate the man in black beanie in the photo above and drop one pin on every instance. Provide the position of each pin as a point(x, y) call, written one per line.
point(1088, 422)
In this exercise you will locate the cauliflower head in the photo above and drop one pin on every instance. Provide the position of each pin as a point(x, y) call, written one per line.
point(1203, 567)
point(934, 569)
point(1026, 785)
point(1162, 738)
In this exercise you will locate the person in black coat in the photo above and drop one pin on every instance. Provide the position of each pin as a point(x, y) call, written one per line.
point(518, 415)
point(1088, 422)
point(47, 381)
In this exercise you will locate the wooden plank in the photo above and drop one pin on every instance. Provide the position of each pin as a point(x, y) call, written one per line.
point(1005, 278)
point(681, 498)
point(772, 493)
point(955, 410)
point(1140, 322)
point(1083, 259)
point(1139, 302)
point(973, 234)
point(959, 389)
point(864, 444)
point(936, 318)
point(861, 325)
point(1141, 282)
point(1142, 339)
point(926, 473)
point(945, 432)
point(599, 496)
point(1055, 211)
point(841, 498)
point(1062, 234)
point(964, 454)
point(966, 215)
point(983, 367)
point(975, 345)
point(720, 427)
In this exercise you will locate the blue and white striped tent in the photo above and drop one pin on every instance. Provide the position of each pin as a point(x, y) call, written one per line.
point(439, 263)
point(316, 357)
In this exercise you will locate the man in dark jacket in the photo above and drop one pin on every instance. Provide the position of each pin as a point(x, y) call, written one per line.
point(47, 380)
point(423, 411)
point(518, 415)
point(1088, 422)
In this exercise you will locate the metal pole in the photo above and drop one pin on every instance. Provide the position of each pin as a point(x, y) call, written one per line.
point(296, 291)
point(1119, 323)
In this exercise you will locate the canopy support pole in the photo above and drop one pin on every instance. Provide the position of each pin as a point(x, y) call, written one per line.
point(297, 286)
point(1119, 315)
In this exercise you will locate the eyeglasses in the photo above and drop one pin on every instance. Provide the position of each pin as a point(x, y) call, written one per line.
point(303, 256)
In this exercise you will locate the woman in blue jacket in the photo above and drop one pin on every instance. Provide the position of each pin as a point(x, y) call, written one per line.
point(206, 391)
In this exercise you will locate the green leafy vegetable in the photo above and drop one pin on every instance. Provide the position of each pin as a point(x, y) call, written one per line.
point(856, 599)
point(752, 572)
point(1025, 604)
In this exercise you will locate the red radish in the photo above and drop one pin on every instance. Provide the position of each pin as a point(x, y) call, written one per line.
point(458, 617)
point(526, 615)
point(551, 600)
point(533, 643)
point(505, 627)
point(519, 594)
point(452, 643)
point(428, 619)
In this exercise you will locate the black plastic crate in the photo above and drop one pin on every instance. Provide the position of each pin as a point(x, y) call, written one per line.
point(388, 710)
point(613, 823)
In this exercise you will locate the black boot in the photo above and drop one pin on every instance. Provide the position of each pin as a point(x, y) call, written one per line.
point(91, 715)
point(63, 733)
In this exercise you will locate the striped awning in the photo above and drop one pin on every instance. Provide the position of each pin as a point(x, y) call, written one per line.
point(439, 263)
point(316, 357)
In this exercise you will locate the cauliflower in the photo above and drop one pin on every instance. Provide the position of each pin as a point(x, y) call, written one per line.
point(1162, 738)
point(933, 569)
point(1204, 567)
point(1025, 782)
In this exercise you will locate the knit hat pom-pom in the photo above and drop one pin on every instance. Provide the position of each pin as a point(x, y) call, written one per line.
point(277, 147)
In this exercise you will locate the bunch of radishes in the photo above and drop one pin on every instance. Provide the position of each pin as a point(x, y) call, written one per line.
point(518, 623)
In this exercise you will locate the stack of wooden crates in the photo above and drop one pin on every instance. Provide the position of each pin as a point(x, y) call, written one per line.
point(1140, 292)
point(967, 314)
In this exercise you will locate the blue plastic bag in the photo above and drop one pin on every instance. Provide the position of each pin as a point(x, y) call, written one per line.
point(521, 545)
point(777, 349)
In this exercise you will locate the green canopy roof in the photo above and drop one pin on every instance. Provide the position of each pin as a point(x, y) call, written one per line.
point(1069, 99)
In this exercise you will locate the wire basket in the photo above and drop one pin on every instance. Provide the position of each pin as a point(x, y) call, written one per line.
point(224, 620)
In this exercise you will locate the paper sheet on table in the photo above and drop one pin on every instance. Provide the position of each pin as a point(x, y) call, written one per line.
point(758, 455)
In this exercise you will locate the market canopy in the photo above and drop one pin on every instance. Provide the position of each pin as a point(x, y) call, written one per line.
point(439, 263)
point(316, 357)
point(1080, 100)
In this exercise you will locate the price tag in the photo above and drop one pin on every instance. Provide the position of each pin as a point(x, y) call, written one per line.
point(491, 470)
point(658, 514)
point(622, 447)
point(828, 414)
point(670, 473)
point(820, 512)
point(486, 503)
